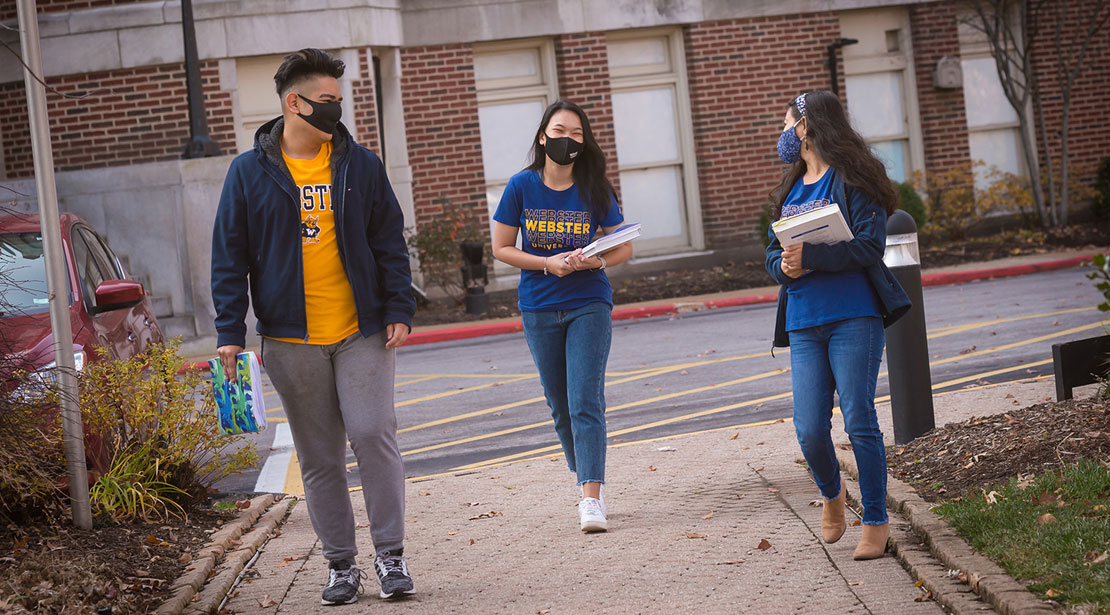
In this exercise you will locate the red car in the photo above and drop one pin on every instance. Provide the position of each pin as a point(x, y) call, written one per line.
point(106, 308)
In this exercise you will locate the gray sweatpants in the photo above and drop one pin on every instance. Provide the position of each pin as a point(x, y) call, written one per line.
point(331, 394)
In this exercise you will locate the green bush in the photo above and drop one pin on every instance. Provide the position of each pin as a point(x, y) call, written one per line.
point(911, 202)
point(436, 246)
point(159, 432)
point(1100, 204)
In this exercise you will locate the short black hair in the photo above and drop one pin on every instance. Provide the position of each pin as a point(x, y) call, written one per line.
point(305, 64)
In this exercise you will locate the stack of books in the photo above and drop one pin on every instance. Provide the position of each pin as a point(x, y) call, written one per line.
point(822, 225)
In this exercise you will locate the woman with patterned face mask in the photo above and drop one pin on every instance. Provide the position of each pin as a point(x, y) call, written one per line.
point(834, 302)
point(561, 201)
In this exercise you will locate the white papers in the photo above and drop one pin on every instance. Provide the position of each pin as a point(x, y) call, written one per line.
point(822, 225)
point(623, 233)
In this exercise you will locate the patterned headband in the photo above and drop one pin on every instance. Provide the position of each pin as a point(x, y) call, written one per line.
point(800, 103)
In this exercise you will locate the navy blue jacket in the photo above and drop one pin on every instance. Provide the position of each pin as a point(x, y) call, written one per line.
point(257, 237)
point(865, 251)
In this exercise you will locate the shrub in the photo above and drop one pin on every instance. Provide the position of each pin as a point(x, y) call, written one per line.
point(158, 430)
point(763, 226)
point(436, 246)
point(952, 199)
point(911, 203)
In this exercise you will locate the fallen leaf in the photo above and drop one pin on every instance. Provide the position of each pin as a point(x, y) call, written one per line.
point(185, 558)
point(651, 468)
point(243, 504)
point(1045, 498)
point(487, 515)
point(471, 541)
point(683, 373)
point(927, 596)
point(855, 523)
point(817, 502)
point(855, 583)
point(763, 545)
point(266, 602)
point(1053, 592)
point(759, 469)
point(451, 533)
point(1046, 519)
point(968, 350)
point(772, 490)
point(424, 493)
point(666, 449)
point(900, 451)
point(1093, 557)
point(543, 611)
point(708, 514)
point(151, 540)
point(992, 497)
point(731, 562)
point(359, 526)
point(734, 436)
point(692, 535)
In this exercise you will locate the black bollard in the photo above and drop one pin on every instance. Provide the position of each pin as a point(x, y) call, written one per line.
point(907, 347)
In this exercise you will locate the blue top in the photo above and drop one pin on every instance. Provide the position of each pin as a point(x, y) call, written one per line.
point(824, 297)
point(554, 221)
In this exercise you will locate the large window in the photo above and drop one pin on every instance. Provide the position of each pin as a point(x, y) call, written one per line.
point(515, 83)
point(992, 123)
point(880, 91)
point(654, 144)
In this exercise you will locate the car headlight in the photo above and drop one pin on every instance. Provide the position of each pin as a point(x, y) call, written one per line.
point(45, 375)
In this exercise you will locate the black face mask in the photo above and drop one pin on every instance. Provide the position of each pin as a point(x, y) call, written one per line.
point(325, 115)
point(563, 150)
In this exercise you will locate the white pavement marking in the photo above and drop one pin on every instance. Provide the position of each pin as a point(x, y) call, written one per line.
point(272, 477)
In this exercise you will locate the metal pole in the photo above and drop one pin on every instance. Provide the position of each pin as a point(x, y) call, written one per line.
point(56, 278)
point(200, 145)
point(907, 347)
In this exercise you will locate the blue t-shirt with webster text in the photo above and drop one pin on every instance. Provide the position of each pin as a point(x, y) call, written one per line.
point(824, 297)
point(553, 222)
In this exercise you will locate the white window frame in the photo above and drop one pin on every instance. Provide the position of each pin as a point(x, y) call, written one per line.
point(643, 77)
point(975, 46)
point(882, 20)
point(508, 90)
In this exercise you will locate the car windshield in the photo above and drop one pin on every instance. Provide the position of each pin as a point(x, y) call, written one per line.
point(22, 274)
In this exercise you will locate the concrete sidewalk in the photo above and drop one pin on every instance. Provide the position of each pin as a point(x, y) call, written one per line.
point(686, 527)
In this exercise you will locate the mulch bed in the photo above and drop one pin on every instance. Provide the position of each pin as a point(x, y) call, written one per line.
point(982, 452)
point(741, 275)
point(58, 569)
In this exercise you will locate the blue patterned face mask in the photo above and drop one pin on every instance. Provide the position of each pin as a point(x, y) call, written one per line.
point(790, 146)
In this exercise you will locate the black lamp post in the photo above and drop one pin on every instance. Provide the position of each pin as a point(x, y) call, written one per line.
point(831, 61)
point(200, 145)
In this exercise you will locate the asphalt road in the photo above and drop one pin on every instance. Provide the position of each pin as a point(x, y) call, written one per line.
point(478, 402)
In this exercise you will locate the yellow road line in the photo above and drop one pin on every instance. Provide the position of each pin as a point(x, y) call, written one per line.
point(961, 357)
point(943, 331)
point(293, 483)
point(490, 375)
point(612, 409)
point(537, 453)
point(409, 402)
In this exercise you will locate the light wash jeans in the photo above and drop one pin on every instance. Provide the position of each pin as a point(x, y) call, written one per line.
point(570, 349)
point(843, 357)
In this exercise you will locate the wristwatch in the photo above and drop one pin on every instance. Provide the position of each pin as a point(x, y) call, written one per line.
point(602, 263)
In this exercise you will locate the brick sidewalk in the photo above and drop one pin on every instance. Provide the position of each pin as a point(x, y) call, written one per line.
point(685, 529)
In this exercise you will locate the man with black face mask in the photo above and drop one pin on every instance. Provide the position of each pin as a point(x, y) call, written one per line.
point(308, 223)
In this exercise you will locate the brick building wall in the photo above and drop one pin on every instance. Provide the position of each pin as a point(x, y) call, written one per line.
point(943, 118)
point(364, 92)
point(130, 116)
point(441, 126)
point(582, 63)
point(1087, 122)
point(742, 74)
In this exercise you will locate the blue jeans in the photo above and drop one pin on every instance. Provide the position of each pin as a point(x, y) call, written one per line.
point(843, 356)
point(571, 348)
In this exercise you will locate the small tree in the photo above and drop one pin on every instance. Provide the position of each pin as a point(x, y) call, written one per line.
point(436, 246)
point(1012, 28)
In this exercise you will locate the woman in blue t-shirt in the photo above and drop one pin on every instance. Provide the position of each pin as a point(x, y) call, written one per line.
point(561, 201)
point(833, 304)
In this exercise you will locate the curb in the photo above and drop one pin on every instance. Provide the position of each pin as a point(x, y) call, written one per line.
point(929, 279)
point(190, 593)
point(985, 579)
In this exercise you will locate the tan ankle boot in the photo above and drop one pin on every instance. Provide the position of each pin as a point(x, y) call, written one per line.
point(832, 516)
point(873, 543)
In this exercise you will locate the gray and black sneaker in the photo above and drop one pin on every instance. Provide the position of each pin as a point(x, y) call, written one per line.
point(394, 574)
point(344, 583)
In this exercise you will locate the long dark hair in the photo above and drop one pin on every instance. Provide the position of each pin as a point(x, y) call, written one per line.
point(828, 130)
point(589, 168)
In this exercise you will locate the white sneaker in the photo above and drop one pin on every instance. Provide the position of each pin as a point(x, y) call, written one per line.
point(591, 515)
